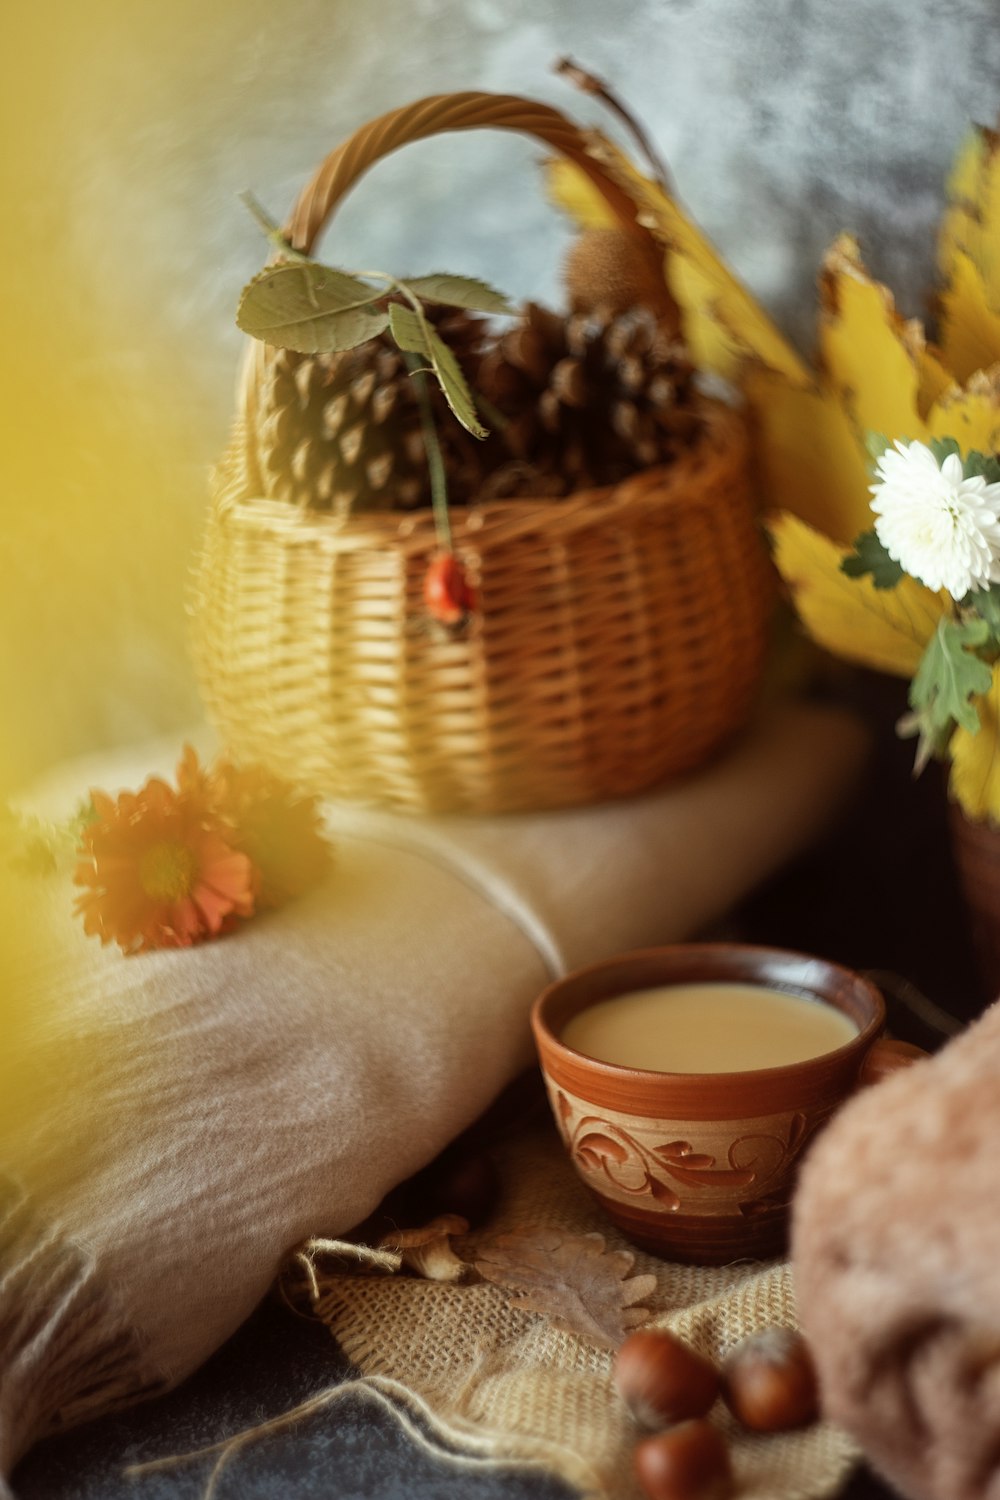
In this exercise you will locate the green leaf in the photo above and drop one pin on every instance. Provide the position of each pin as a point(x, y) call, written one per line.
point(869, 556)
point(456, 392)
point(950, 675)
point(409, 331)
point(875, 445)
point(415, 336)
point(310, 308)
point(932, 739)
point(458, 291)
point(986, 604)
point(943, 448)
point(985, 464)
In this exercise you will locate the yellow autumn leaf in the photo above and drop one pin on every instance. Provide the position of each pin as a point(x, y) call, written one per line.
point(970, 329)
point(957, 223)
point(712, 344)
point(878, 363)
point(883, 628)
point(574, 193)
point(971, 225)
point(724, 323)
point(809, 457)
point(975, 759)
point(970, 414)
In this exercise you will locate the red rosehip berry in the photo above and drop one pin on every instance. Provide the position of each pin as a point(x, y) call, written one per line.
point(448, 595)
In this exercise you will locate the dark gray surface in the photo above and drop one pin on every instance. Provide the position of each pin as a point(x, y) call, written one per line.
point(348, 1452)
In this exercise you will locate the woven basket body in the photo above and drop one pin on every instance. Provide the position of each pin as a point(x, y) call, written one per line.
point(618, 637)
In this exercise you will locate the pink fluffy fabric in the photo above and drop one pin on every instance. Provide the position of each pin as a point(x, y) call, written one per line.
point(896, 1251)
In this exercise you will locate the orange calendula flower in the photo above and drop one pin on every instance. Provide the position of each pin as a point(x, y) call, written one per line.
point(278, 826)
point(160, 871)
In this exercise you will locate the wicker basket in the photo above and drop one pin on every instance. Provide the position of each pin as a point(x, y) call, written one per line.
point(619, 635)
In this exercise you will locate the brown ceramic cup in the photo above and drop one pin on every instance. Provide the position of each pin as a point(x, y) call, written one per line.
point(701, 1166)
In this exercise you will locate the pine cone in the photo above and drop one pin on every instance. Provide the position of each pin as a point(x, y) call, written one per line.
point(342, 432)
point(588, 399)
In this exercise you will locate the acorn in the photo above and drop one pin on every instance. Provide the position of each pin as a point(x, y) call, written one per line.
point(769, 1381)
point(612, 269)
point(662, 1380)
point(687, 1462)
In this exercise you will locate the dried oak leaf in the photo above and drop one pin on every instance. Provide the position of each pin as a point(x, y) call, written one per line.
point(571, 1279)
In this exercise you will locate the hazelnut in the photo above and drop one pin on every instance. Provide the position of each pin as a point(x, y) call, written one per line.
point(769, 1381)
point(662, 1379)
point(687, 1462)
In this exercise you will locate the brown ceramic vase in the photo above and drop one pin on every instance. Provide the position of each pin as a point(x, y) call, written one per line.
point(701, 1167)
point(976, 847)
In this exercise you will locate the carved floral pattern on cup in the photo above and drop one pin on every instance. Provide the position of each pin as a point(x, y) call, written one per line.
point(741, 1166)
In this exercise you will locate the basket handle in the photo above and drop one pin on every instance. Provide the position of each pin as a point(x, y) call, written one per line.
point(436, 115)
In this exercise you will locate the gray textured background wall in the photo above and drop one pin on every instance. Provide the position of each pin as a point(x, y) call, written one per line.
point(784, 122)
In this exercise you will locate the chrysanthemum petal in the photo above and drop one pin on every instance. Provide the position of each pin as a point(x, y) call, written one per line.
point(939, 526)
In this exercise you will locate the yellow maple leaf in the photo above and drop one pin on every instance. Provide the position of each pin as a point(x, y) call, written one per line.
point(883, 628)
point(970, 414)
point(574, 193)
point(810, 458)
point(971, 225)
point(957, 228)
point(975, 759)
point(970, 329)
point(878, 363)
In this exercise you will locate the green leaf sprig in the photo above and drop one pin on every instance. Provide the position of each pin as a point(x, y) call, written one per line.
point(957, 665)
point(297, 303)
point(39, 846)
point(949, 676)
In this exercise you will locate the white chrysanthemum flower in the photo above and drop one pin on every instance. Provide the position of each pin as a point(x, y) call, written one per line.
point(939, 526)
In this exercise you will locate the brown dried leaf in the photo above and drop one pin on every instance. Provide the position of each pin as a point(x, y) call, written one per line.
point(572, 1280)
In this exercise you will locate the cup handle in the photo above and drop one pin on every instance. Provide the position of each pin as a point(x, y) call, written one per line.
point(887, 1056)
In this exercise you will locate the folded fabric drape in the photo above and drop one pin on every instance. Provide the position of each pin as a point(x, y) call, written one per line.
point(173, 1123)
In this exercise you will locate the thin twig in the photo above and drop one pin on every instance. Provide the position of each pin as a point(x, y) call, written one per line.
point(432, 447)
point(590, 84)
point(270, 227)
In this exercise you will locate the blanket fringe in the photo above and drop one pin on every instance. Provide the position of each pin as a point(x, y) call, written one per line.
point(66, 1351)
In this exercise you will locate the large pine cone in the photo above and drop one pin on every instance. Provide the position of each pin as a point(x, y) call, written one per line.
point(572, 403)
point(588, 400)
point(342, 432)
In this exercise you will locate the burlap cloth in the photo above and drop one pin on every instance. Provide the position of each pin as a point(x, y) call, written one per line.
point(517, 1388)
